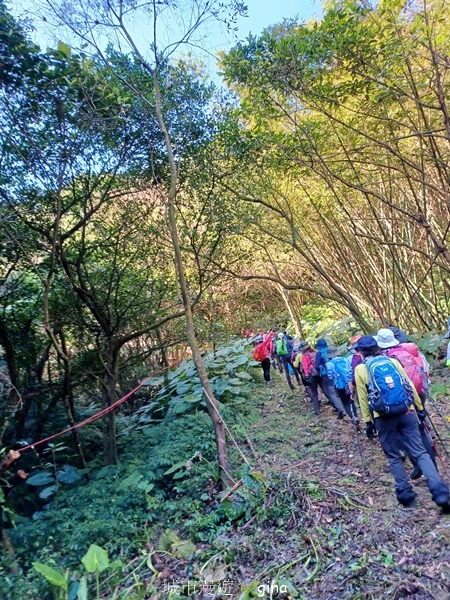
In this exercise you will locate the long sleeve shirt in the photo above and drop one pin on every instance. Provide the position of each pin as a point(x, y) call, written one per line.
point(356, 360)
point(362, 379)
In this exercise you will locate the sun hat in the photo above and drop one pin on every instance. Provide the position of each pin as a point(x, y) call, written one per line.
point(399, 335)
point(281, 335)
point(321, 343)
point(332, 352)
point(367, 341)
point(385, 339)
point(354, 342)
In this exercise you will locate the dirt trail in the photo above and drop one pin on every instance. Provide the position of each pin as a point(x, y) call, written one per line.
point(358, 542)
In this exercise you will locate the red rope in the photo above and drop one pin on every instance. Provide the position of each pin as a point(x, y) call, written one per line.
point(102, 413)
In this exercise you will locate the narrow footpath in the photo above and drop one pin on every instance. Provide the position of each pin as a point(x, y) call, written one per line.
point(359, 543)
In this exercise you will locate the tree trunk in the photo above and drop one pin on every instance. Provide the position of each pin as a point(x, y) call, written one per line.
point(291, 310)
point(211, 401)
point(109, 396)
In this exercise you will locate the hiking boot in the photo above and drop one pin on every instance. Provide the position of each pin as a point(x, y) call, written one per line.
point(291, 386)
point(408, 502)
point(416, 473)
point(341, 415)
point(443, 501)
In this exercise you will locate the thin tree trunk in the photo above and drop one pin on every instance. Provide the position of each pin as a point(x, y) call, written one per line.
point(211, 402)
point(109, 420)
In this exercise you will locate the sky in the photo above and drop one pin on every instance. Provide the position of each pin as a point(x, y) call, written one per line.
point(261, 14)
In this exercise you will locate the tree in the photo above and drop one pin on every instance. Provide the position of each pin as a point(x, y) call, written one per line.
point(351, 109)
point(113, 19)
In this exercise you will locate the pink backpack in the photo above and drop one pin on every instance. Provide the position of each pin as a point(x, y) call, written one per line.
point(409, 363)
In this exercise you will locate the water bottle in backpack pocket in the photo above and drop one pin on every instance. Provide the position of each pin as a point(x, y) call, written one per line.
point(389, 392)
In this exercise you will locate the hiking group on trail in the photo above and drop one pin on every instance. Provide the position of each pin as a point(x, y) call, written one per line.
point(387, 376)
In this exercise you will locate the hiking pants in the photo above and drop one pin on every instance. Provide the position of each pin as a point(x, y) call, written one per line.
point(306, 383)
point(279, 362)
point(349, 405)
point(266, 369)
point(327, 386)
point(287, 360)
point(425, 437)
point(402, 431)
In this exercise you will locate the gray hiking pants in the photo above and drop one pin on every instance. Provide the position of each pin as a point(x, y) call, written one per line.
point(327, 386)
point(402, 431)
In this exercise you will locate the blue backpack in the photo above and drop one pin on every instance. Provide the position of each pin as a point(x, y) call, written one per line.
point(341, 371)
point(390, 393)
point(323, 365)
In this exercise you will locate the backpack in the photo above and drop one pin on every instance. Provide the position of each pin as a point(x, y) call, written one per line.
point(409, 363)
point(323, 367)
point(281, 348)
point(262, 350)
point(308, 364)
point(390, 393)
point(341, 371)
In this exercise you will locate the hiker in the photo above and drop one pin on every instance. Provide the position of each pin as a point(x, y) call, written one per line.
point(408, 355)
point(357, 359)
point(284, 349)
point(262, 352)
point(276, 357)
point(303, 348)
point(320, 378)
point(391, 406)
point(339, 369)
point(308, 368)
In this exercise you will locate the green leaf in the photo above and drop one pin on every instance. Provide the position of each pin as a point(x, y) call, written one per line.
point(68, 474)
point(42, 478)
point(82, 589)
point(175, 467)
point(52, 575)
point(131, 480)
point(243, 375)
point(64, 49)
point(47, 492)
point(183, 548)
point(96, 559)
point(193, 398)
point(146, 486)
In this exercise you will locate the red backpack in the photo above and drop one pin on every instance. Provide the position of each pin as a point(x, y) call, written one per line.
point(263, 350)
point(308, 362)
point(410, 365)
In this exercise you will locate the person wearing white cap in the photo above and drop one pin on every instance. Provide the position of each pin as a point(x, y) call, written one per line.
point(381, 384)
point(408, 355)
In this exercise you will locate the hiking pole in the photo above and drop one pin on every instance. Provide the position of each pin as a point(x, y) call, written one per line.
point(439, 437)
point(427, 431)
point(358, 442)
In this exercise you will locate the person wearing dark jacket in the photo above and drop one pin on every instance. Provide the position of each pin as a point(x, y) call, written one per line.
point(321, 379)
point(284, 349)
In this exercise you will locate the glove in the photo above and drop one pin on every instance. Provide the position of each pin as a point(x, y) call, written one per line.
point(371, 430)
point(422, 414)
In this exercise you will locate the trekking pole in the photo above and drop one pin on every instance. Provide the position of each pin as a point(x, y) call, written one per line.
point(427, 431)
point(358, 442)
point(438, 437)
